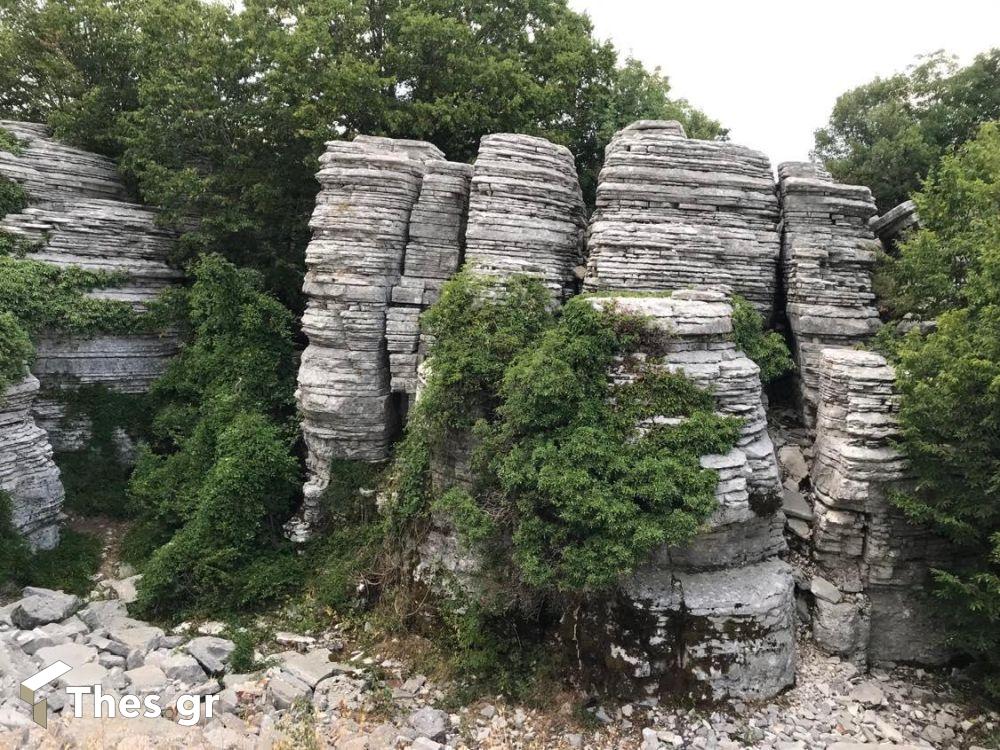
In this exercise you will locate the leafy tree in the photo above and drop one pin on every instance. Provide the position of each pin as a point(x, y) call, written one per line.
point(221, 115)
point(889, 133)
point(950, 383)
point(219, 478)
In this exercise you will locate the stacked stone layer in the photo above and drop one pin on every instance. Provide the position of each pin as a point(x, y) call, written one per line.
point(714, 618)
point(676, 213)
point(875, 558)
point(77, 216)
point(27, 472)
point(891, 226)
point(433, 254)
point(827, 254)
point(360, 232)
point(526, 212)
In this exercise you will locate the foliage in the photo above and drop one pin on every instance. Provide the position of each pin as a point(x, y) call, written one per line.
point(10, 143)
point(767, 348)
point(889, 133)
point(16, 351)
point(96, 477)
point(13, 197)
point(68, 566)
point(563, 469)
point(221, 114)
point(218, 477)
point(949, 380)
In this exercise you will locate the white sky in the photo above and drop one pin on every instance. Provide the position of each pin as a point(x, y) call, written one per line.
point(771, 70)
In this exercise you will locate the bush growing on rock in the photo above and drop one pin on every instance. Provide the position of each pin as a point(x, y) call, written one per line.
point(950, 382)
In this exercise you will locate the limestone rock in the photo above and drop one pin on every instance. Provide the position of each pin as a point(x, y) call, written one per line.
point(42, 606)
point(526, 212)
point(27, 472)
point(674, 213)
point(79, 216)
point(828, 253)
point(891, 226)
point(211, 652)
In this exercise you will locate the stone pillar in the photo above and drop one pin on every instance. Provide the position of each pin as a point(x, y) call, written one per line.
point(827, 255)
point(27, 472)
point(78, 216)
point(713, 619)
point(676, 213)
point(873, 564)
point(526, 212)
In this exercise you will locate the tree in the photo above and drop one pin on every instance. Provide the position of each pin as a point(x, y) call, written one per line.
point(949, 382)
point(889, 133)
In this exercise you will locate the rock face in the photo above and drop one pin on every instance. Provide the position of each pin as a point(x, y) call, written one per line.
point(827, 255)
point(78, 216)
point(360, 231)
point(713, 619)
point(876, 560)
point(675, 213)
point(27, 472)
point(526, 212)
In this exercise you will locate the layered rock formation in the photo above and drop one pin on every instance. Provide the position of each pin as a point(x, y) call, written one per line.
point(827, 256)
point(675, 213)
point(715, 618)
point(526, 212)
point(891, 226)
point(27, 472)
point(77, 216)
point(870, 600)
point(433, 255)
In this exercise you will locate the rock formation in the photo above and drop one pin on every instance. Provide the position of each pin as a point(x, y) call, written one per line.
point(526, 213)
point(892, 226)
point(870, 598)
point(713, 619)
point(77, 216)
point(827, 255)
point(27, 472)
point(675, 213)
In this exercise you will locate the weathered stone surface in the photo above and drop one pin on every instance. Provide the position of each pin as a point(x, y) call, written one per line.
point(862, 544)
point(526, 212)
point(713, 619)
point(27, 472)
point(675, 213)
point(827, 256)
point(891, 226)
point(78, 216)
point(42, 606)
point(360, 231)
point(211, 652)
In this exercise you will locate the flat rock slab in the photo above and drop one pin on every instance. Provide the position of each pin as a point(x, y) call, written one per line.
point(146, 678)
point(43, 606)
point(211, 652)
point(311, 667)
point(183, 667)
point(144, 638)
point(73, 654)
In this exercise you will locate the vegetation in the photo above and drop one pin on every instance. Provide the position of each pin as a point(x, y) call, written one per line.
point(767, 348)
point(950, 383)
point(222, 115)
point(10, 142)
point(889, 133)
point(218, 478)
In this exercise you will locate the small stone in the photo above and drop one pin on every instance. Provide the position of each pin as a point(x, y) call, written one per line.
point(868, 693)
point(793, 462)
point(211, 652)
point(650, 741)
point(429, 722)
point(825, 590)
point(146, 679)
point(184, 668)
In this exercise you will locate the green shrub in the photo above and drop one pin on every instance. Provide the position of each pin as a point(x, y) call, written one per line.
point(949, 381)
point(10, 143)
point(767, 348)
point(218, 477)
point(14, 553)
point(13, 197)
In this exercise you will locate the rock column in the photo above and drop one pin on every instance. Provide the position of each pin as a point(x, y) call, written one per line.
point(675, 213)
point(713, 619)
point(827, 254)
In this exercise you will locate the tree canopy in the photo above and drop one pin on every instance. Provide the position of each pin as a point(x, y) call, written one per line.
point(890, 132)
point(221, 115)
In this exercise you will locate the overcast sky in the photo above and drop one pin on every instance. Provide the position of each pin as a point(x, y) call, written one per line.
point(771, 70)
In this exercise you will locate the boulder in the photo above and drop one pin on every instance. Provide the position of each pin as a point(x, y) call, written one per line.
point(211, 652)
point(42, 606)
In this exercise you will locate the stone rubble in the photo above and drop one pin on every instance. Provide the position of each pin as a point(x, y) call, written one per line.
point(827, 254)
point(713, 619)
point(27, 472)
point(526, 212)
point(78, 216)
point(674, 213)
point(369, 702)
